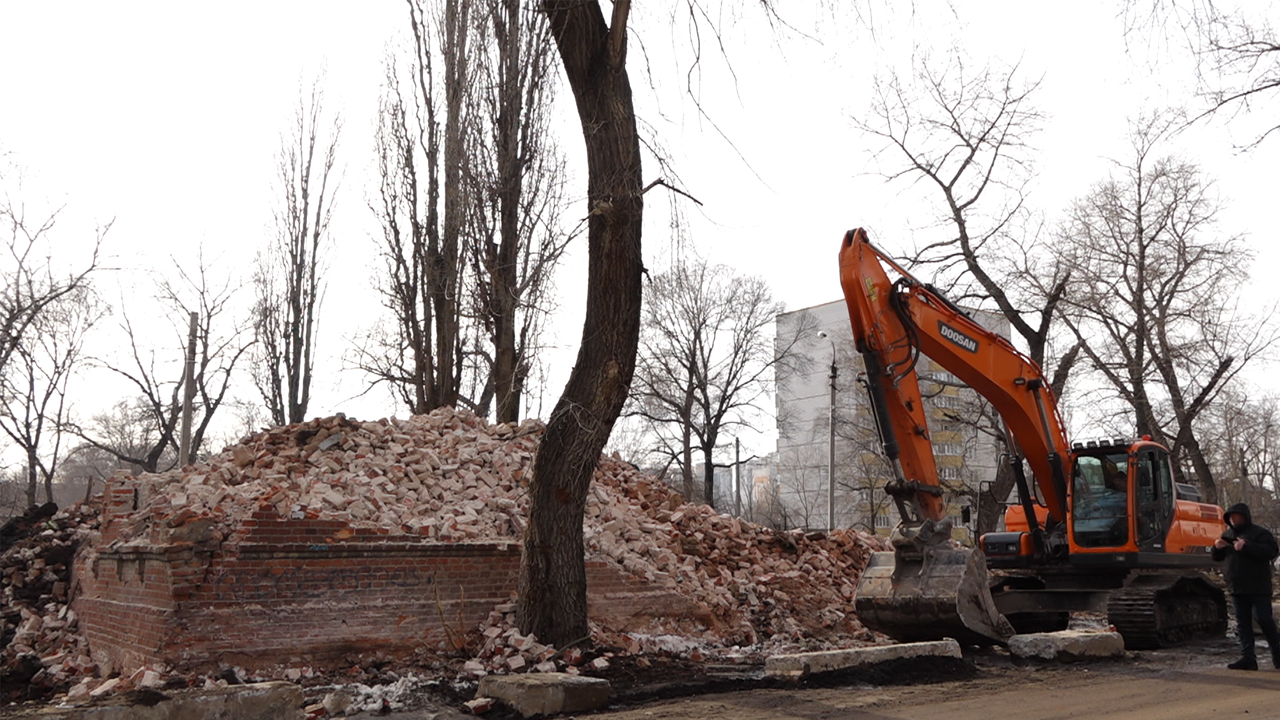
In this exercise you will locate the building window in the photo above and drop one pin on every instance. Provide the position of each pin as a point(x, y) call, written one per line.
point(946, 401)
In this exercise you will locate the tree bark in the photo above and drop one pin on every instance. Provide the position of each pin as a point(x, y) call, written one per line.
point(708, 476)
point(552, 588)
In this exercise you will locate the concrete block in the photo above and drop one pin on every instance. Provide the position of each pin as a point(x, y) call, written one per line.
point(1067, 645)
point(803, 664)
point(257, 701)
point(546, 693)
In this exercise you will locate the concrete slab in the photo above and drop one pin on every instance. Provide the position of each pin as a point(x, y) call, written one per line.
point(803, 664)
point(546, 693)
point(1067, 645)
point(257, 701)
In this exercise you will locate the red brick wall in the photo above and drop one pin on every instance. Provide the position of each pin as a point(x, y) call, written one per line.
point(309, 592)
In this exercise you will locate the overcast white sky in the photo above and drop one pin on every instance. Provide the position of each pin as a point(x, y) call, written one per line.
point(166, 117)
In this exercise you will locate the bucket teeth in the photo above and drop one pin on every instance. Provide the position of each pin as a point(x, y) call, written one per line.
point(943, 593)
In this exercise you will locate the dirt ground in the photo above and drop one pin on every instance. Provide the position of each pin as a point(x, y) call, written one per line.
point(1185, 683)
point(1190, 682)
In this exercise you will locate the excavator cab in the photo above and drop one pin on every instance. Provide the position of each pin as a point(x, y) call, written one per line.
point(1123, 498)
point(1100, 500)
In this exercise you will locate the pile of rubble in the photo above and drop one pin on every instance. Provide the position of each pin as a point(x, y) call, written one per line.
point(41, 648)
point(449, 476)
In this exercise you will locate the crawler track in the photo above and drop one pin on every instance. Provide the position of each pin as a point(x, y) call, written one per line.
point(1160, 610)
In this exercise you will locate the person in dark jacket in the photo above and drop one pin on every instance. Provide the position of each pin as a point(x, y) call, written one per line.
point(1249, 550)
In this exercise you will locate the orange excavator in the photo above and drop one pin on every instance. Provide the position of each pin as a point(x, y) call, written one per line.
point(1098, 526)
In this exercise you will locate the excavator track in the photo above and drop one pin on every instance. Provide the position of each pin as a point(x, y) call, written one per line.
point(1160, 610)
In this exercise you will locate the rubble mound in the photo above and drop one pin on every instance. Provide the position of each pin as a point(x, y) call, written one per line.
point(41, 649)
point(446, 476)
point(450, 477)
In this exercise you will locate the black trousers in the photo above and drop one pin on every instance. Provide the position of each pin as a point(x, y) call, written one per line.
point(1247, 608)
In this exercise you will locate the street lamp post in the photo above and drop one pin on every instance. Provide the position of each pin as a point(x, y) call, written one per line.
point(831, 439)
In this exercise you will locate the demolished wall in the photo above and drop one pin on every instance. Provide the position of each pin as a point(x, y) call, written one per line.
point(316, 542)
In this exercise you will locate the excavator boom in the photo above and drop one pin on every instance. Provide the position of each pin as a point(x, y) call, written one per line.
point(926, 588)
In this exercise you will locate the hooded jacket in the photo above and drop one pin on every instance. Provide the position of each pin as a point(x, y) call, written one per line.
point(1248, 570)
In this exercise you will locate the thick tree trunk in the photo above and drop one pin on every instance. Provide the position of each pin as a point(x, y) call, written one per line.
point(686, 440)
point(552, 589)
point(33, 476)
point(708, 478)
point(686, 461)
point(1190, 446)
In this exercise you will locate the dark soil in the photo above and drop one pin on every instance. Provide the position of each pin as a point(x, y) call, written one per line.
point(667, 678)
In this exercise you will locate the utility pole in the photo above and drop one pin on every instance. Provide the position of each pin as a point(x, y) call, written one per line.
point(831, 448)
point(831, 439)
point(188, 393)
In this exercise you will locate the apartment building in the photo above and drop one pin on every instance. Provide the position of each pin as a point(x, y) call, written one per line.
point(826, 430)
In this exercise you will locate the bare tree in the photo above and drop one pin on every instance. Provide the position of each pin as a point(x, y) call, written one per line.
point(421, 205)
point(33, 387)
point(287, 276)
point(705, 362)
point(965, 133)
point(1153, 296)
point(1241, 436)
point(156, 376)
point(124, 437)
point(771, 510)
point(422, 201)
point(29, 279)
point(470, 201)
point(516, 175)
point(13, 493)
point(89, 467)
point(799, 492)
point(861, 470)
point(1237, 54)
point(593, 51)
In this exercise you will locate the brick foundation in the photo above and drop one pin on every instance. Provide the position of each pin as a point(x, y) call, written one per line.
point(309, 591)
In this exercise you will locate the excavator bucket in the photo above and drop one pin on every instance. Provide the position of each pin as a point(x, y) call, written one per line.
point(942, 593)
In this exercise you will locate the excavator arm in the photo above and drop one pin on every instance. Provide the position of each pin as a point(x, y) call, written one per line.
point(925, 584)
point(893, 322)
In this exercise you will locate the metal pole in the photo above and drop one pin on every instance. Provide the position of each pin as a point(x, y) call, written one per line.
point(189, 392)
point(831, 447)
